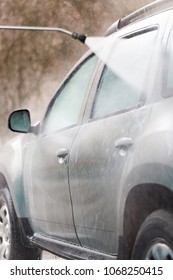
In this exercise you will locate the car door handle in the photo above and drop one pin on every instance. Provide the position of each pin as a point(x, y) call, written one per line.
point(62, 155)
point(123, 143)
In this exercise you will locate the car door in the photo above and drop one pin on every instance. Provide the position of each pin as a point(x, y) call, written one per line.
point(107, 138)
point(46, 163)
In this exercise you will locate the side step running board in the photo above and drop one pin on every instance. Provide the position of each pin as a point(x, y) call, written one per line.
point(68, 250)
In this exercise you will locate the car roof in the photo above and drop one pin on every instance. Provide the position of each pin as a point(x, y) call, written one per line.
point(156, 7)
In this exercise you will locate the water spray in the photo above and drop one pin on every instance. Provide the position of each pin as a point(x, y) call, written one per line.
point(74, 35)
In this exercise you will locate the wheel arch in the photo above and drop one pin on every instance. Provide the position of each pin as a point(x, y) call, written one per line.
point(3, 181)
point(17, 192)
point(142, 200)
point(11, 173)
point(23, 223)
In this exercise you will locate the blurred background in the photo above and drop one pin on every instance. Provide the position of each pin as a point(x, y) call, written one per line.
point(32, 64)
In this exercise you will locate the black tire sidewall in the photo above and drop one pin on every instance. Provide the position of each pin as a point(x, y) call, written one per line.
point(158, 227)
point(17, 250)
point(5, 199)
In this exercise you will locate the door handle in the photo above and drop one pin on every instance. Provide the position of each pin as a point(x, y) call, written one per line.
point(62, 155)
point(123, 143)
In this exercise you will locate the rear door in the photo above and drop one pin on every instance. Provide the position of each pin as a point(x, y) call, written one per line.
point(106, 140)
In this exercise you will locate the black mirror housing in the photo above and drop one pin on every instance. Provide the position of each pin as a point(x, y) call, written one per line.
point(20, 121)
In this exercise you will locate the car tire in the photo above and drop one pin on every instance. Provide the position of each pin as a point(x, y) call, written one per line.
point(11, 247)
point(155, 238)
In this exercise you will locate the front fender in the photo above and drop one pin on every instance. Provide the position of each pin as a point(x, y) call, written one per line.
point(11, 168)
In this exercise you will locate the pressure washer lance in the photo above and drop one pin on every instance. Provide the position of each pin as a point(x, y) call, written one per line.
point(74, 35)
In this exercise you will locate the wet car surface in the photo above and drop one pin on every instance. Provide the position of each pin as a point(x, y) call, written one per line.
point(95, 176)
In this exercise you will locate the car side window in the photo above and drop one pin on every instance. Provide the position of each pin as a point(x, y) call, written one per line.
point(122, 82)
point(66, 106)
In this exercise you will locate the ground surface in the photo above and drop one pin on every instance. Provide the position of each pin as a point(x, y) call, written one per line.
point(49, 256)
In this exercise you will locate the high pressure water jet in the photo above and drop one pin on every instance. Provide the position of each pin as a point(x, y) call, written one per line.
point(74, 35)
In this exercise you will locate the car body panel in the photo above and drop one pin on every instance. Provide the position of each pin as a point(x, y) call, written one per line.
point(11, 153)
point(96, 167)
point(47, 192)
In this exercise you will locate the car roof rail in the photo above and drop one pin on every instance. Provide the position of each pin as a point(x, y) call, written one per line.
point(148, 10)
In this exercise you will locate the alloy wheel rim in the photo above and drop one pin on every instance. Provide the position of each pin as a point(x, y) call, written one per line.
point(159, 251)
point(5, 233)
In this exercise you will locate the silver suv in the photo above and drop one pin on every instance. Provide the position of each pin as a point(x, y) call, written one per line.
point(94, 179)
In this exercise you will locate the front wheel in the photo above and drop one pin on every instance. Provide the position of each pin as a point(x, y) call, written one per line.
point(155, 237)
point(11, 247)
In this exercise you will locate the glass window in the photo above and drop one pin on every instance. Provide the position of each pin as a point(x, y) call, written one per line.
point(122, 82)
point(67, 105)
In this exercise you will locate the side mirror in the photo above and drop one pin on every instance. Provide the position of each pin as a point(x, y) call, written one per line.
point(20, 121)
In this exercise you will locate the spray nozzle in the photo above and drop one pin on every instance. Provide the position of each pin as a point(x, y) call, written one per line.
point(74, 35)
point(79, 37)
